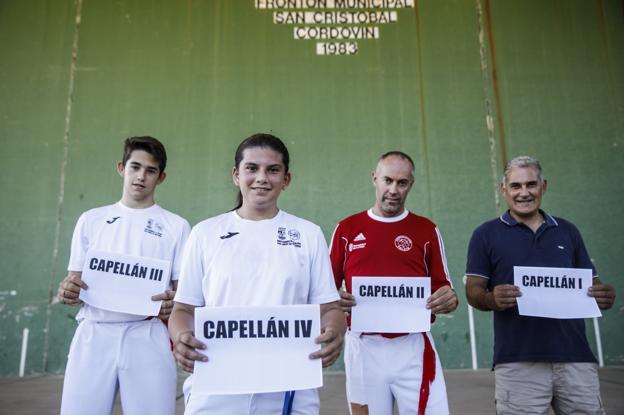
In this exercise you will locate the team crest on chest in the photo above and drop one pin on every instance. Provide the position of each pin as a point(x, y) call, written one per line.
point(288, 237)
point(153, 228)
point(403, 243)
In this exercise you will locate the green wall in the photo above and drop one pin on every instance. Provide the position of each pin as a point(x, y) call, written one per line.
point(202, 75)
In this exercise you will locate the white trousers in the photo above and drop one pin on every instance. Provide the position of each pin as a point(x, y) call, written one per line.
point(380, 371)
point(305, 402)
point(134, 358)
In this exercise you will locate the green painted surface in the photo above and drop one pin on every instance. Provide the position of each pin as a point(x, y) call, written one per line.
point(202, 75)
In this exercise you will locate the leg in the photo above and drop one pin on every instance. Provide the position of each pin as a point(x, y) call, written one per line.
point(147, 374)
point(90, 382)
point(406, 384)
point(577, 389)
point(523, 388)
point(354, 371)
point(357, 409)
point(375, 360)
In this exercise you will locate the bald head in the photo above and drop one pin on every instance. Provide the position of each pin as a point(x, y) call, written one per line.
point(393, 179)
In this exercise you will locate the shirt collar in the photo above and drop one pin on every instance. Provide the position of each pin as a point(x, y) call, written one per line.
point(387, 220)
point(508, 220)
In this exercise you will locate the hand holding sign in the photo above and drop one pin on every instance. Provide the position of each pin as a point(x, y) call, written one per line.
point(443, 300)
point(333, 326)
point(504, 296)
point(69, 288)
point(184, 350)
point(603, 293)
point(166, 305)
point(347, 301)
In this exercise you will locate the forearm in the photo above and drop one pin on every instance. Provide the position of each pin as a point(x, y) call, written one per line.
point(333, 316)
point(480, 298)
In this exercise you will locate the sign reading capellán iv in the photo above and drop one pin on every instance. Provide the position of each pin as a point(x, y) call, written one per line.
point(124, 283)
point(257, 349)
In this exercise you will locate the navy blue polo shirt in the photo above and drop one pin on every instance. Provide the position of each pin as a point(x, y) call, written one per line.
point(499, 245)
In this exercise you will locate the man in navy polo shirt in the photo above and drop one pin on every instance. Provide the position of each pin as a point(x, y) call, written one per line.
point(538, 362)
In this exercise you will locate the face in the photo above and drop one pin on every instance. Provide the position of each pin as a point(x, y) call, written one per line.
point(141, 175)
point(393, 180)
point(523, 192)
point(261, 176)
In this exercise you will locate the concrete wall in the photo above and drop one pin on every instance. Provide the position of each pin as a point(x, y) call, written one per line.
point(460, 85)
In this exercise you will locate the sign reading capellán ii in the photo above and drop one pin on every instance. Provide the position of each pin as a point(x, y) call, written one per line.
point(391, 304)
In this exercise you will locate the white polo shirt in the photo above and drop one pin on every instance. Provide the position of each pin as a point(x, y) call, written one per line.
point(231, 261)
point(152, 232)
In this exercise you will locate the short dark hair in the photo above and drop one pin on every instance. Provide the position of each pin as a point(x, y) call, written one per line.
point(397, 154)
point(148, 144)
point(263, 140)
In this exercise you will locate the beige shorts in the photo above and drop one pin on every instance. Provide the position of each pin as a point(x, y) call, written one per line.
point(533, 387)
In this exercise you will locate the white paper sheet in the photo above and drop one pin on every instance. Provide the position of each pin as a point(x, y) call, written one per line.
point(257, 349)
point(391, 304)
point(555, 292)
point(124, 283)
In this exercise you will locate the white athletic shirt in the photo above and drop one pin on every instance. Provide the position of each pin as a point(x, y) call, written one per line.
point(231, 261)
point(152, 232)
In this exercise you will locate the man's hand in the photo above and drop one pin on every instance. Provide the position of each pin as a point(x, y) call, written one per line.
point(346, 301)
point(69, 288)
point(184, 350)
point(443, 300)
point(504, 296)
point(603, 293)
point(167, 304)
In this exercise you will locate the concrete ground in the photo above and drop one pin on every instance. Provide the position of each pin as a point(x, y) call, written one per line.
point(470, 393)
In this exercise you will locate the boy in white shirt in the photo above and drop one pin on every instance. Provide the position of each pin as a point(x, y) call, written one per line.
point(110, 350)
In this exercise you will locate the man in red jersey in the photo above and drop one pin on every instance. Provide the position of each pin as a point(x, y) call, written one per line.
point(386, 241)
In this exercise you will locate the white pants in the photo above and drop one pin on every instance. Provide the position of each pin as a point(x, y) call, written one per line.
point(305, 402)
point(381, 370)
point(134, 358)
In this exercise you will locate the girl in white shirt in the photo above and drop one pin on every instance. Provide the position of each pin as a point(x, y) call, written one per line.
point(255, 255)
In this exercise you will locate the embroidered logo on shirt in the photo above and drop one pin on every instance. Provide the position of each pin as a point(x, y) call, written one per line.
point(153, 228)
point(403, 243)
point(228, 235)
point(283, 237)
point(353, 247)
point(112, 220)
point(360, 237)
point(560, 247)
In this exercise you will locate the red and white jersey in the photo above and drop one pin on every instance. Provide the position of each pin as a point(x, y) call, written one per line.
point(365, 244)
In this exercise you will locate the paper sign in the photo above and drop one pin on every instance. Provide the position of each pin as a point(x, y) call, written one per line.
point(391, 304)
point(555, 292)
point(124, 283)
point(257, 349)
